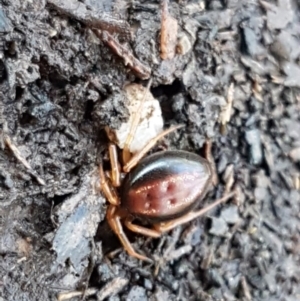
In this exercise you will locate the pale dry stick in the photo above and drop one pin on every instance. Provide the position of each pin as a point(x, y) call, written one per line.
point(245, 288)
point(210, 159)
point(228, 178)
point(181, 251)
point(69, 295)
point(134, 125)
point(168, 33)
point(22, 160)
point(207, 260)
point(257, 89)
point(112, 288)
point(226, 110)
point(296, 181)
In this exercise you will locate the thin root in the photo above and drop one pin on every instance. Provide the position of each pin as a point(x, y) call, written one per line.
point(140, 70)
point(22, 160)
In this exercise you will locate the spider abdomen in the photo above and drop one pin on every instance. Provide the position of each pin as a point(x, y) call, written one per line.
point(165, 185)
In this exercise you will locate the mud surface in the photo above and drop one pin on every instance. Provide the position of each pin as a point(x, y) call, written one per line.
point(60, 85)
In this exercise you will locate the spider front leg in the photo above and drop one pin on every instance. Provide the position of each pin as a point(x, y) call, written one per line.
point(107, 189)
point(138, 156)
point(114, 215)
point(140, 229)
point(115, 166)
point(114, 219)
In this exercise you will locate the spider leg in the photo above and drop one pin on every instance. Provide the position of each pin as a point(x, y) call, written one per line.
point(140, 229)
point(114, 220)
point(210, 159)
point(107, 189)
point(115, 166)
point(167, 226)
point(138, 156)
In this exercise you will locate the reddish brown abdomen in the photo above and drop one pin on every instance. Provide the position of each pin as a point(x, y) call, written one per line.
point(165, 185)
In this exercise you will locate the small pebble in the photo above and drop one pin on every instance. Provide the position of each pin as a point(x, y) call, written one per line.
point(295, 154)
point(230, 214)
point(137, 293)
point(5, 25)
point(148, 284)
point(104, 273)
point(160, 295)
point(219, 226)
point(254, 47)
point(151, 121)
point(254, 141)
point(184, 44)
point(260, 193)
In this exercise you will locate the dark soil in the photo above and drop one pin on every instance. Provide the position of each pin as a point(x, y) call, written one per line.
point(60, 85)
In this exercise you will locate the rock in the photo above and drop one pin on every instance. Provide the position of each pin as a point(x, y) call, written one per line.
point(230, 214)
point(151, 122)
point(218, 227)
point(292, 71)
point(5, 25)
point(278, 17)
point(254, 47)
point(260, 193)
point(254, 140)
point(137, 293)
point(104, 272)
point(295, 154)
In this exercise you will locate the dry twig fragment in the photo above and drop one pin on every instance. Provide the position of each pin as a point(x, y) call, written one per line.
point(91, 18)
point(228, 178)
point(112, 288)
point(168, 34)
point(22, 160)
point(210, 158)
point(69, 295)
point(133, 63)
point(226, 110)
point(104, 25)
point(245, 289)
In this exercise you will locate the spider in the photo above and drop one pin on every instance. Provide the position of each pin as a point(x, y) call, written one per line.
point(161, 189)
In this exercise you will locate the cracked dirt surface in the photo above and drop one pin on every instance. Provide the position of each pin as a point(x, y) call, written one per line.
point(60, 85)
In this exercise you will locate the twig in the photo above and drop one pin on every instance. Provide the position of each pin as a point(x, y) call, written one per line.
point(104, 26)
point(141, 70)
point(112, 288)
point(99, 20)
point(210, 159)
point(168, 33)
point(22, 160)
point(226, 110)
point(72, 294)
point(245, 289)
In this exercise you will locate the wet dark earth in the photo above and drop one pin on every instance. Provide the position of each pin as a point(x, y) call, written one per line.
point(235, 78)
